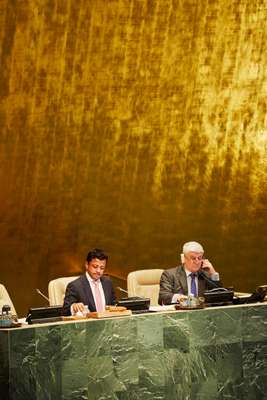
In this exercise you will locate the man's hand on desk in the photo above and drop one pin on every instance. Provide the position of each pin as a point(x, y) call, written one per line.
point(181, 297)
point(77, 307)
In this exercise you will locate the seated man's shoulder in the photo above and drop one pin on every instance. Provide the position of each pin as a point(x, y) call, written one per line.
point(171, 271)
point(76, 281)
point(106, 279)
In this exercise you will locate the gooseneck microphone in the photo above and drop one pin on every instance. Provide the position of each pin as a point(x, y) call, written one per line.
point(41, 294)
point(121, 290)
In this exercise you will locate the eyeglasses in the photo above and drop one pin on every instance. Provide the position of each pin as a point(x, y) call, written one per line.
point(198, 258)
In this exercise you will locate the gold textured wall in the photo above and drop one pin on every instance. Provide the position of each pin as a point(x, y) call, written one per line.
point(132, 125)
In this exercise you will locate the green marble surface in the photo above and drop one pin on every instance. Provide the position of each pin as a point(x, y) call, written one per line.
point(208, 354)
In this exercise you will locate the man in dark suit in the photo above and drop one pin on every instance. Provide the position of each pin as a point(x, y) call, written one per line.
point(195, 275)
point(91, 289)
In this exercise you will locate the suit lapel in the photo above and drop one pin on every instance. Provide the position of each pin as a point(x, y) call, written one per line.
point(89, 298)
point(105, 289)
point(181, 281)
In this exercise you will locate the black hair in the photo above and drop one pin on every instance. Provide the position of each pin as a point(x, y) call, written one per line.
point(96, 253)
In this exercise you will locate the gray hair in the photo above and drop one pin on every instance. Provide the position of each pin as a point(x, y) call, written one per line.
point(192, 246)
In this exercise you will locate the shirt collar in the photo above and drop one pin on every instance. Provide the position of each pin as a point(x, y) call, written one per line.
point(188, 273)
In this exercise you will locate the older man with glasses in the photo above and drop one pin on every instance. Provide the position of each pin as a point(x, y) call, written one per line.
point(195, 275)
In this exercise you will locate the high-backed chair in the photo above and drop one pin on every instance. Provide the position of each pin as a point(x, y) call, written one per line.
point(144, 283)
point(57, 288)
point(5, 299)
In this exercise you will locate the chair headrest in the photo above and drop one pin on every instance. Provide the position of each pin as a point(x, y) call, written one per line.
point(148, 276)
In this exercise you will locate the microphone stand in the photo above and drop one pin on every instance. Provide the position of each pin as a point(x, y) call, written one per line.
point(122, 290)
point(41, 294)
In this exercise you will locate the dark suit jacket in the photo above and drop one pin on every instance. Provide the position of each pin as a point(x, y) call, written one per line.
point(79, 291)
point(174, 281)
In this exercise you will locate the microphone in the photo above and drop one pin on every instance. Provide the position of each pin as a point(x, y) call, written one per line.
point(214, 283)
point(121, 290)
point(41, 294)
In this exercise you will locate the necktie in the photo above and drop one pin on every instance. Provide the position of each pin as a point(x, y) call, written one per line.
point(193, 285)
point(98, 298)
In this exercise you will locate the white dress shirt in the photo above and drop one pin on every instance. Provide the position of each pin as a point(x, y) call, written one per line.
point(214, 277)
point(92, 286)
point(189, 280)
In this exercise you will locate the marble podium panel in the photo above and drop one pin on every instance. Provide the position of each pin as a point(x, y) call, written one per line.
point(209, 354)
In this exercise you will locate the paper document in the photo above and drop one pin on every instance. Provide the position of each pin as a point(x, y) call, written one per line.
point(170, 307)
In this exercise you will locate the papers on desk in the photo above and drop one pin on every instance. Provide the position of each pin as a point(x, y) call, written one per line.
point(170, 307)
